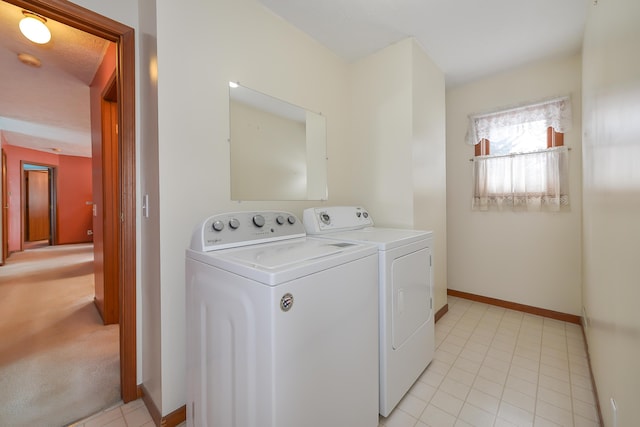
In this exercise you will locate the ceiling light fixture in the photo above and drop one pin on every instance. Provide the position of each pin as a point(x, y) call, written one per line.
point(27, 59)
point(33, 27)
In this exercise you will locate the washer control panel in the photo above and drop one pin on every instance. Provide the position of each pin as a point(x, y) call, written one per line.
point(234, 229)
point(335, 218)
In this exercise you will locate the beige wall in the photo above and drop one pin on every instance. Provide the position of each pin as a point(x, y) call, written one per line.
point(398, 138)
point(532, 258)
point(381, 133)
point(183, 162)
point(428, 147)
point(611, 90)
point(149, 336)
point(246, 43)
point(198, 54)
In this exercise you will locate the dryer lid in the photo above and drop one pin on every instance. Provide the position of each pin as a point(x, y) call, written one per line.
point(383, 238)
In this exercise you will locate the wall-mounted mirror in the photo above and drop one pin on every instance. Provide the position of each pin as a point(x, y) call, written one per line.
point(278, 150)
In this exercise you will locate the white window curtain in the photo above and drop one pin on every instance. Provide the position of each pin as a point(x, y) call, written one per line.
point(555, 113)
point(531, 181)
point(535, 180)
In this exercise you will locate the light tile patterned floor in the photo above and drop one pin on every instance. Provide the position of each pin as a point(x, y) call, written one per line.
point(132, 414)
point(492, 367)
point(499, 367)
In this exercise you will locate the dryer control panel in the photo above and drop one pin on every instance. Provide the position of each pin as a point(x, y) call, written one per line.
point(233, 229)
point(335, 218)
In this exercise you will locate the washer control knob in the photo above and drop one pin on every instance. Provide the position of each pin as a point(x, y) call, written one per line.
point(258, 220)
point(358, 214)
point(365, 214)
point(280, 219)
point(325, 218)
point(291, 219)
point(217, 225)
point(234, 223)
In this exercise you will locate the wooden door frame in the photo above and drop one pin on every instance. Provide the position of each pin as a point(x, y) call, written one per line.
point(5, 210)
point(86, 20)
point(53, 199)
point(110, 222)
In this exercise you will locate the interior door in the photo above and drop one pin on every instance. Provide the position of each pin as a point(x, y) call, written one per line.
point(5, 211)
point(37, 205)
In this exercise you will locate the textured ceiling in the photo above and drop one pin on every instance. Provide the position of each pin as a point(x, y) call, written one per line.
point(47, 107)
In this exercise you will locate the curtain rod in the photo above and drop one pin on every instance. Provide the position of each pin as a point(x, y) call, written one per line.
point(522, 154)
point(520, 107)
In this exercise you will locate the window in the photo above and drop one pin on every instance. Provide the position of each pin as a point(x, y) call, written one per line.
point(521, 161)
point(535, 140)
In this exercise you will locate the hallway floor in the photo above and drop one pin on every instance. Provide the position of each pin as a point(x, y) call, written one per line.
point(58, 362)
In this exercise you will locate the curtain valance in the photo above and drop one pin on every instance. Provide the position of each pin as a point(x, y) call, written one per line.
point(555, 113)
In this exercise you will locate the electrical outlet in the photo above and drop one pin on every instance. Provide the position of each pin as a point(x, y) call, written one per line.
point(89, 232)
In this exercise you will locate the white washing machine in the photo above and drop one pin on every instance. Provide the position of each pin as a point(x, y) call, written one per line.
point(281, 328)
point(406, 293)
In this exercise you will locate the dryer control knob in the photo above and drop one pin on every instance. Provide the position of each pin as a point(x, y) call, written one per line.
point(280, 219)
point(291, 219)
point(234, 223)
point(324, 217)
point(218, 225)
point(258, 220)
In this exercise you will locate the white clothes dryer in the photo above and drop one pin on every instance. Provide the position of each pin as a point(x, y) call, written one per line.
point(406, 293)
point(281, 328)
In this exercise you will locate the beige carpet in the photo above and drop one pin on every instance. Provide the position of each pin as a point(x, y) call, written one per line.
point(58, 362)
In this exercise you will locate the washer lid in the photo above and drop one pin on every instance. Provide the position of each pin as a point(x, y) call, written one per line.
point(279, 262)
point(383, 238)
point(277, 257)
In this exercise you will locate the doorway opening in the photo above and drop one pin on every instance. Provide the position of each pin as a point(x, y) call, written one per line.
point(86, 20)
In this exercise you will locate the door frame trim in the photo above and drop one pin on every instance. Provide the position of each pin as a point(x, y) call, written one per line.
point(91, 22)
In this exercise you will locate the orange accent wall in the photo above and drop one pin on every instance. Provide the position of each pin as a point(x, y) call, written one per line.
point(70, 192)
point(75, 212)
